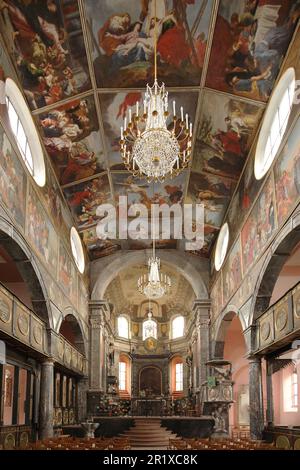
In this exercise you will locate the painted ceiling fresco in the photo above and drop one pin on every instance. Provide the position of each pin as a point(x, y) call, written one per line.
point(84, 64)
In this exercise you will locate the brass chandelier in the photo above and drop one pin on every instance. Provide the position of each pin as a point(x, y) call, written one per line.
point(153, 143)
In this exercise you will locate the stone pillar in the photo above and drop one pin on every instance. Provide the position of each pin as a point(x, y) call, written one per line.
point(82, 388)
point(270, 403)
point(255, 398)
point(46, 399)
point(99, 313)
point(201, 310)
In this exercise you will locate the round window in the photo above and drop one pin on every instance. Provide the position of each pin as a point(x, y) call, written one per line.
point(274, 123)
point(77, 249)
point(25, 133)
point(222, 245)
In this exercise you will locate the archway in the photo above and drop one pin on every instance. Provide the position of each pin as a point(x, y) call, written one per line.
point(281, 250)
point(22, 275)
point(234, 352)
point(102, 274)
point(230, 345)
point(70, 329)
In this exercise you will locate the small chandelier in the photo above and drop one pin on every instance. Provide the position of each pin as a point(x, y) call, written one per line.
point(153, 144)
point(154, 284)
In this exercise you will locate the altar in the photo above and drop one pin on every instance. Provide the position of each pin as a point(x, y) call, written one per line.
point(148, 406)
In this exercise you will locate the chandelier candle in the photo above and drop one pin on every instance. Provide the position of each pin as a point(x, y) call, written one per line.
point(154, 144)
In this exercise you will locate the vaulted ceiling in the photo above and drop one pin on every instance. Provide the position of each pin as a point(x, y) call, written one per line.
point(122, 292)
point(83, 64)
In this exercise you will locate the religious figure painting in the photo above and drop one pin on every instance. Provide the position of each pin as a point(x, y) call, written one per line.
point(83, 299)
point(57, 296)
point(139, 191)
point(224, 138)
point(115, 106)
point(216, 297)
point(293, 60)
point(250, 41)
point(243, 199)
point(6, 70)
point(66, 274)
point(147, 244)
point(55, 203)
point(123, 36)
point(210, 234)
point(259, 226)
point(72, 139)
point(213, 192)
point(12, 180)
point(287, 175)
point(97, 248)
point(232, 271)
point(40, 231)
point(45, 40)
point(84, 198)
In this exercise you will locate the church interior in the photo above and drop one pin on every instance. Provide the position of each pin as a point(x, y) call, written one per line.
point(120, 342)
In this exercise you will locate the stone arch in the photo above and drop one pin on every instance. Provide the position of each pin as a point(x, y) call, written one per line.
point(220, 330)
point(29, 267)
point(122, 261)
point(280, 250)
point(69, 323)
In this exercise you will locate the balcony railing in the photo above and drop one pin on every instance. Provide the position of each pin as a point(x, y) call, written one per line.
point(280, 322)
point(21, 323)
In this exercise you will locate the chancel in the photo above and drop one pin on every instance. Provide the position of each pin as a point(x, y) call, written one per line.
point(148, 341)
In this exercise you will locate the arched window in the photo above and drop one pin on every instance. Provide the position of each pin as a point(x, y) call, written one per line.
point(176, 376)
point(179, 377)
point(149, 329)
point(275, 123)
point(221, 246)
point(25, 133)
point(178, 327)
point(77, 250)
point(122, 374)
point(290, 389)
point(123, 327)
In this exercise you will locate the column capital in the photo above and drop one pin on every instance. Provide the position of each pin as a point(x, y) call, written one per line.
point(250, 339)
point(99, 306)
point(48, 361)
point(254, 359)
point(99, 313)
point(202, 303)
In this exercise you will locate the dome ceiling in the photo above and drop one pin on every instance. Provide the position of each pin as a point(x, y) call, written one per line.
point(124, 287)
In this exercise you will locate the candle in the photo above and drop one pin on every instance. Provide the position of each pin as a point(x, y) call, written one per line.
point(187, 121)
point(122, 135)
point(137, 108)
point(125, 123)
point(174, 108)
point(129, 114)
point(181, 113)
point(191, 129)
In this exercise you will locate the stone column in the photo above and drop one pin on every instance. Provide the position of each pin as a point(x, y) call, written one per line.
point(99, 312)
point(270, 403)
point(201, 310)
point(255, 398)
point(46, 399)
point(82, 388)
